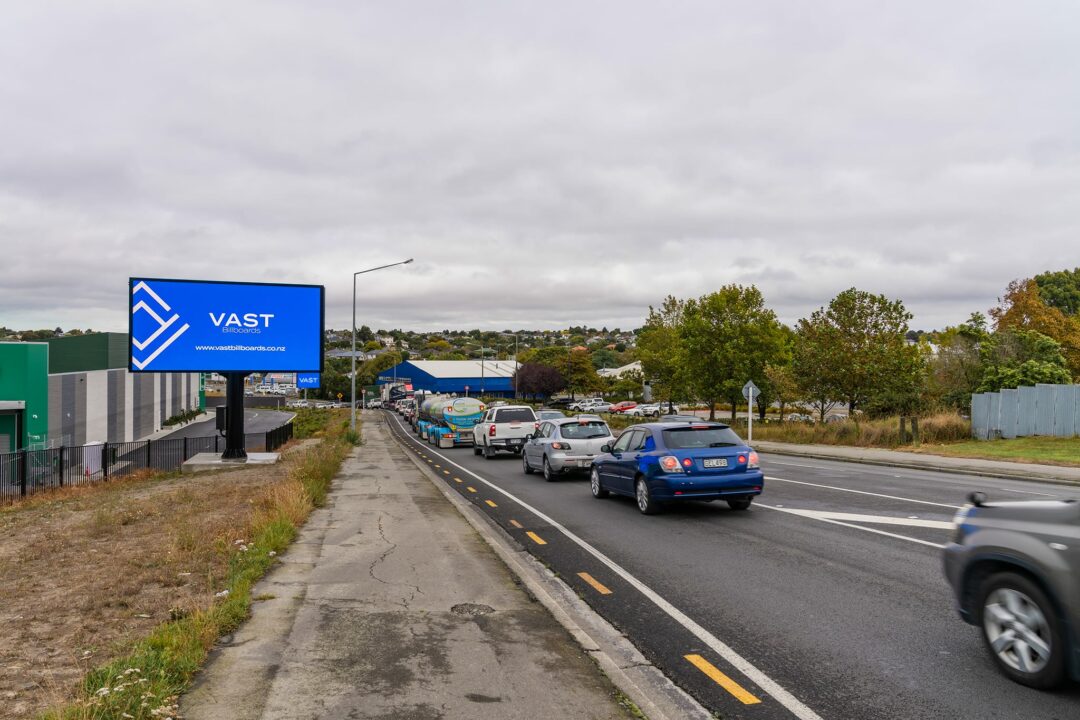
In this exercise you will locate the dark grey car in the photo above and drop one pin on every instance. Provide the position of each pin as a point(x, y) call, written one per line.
point(1015, 570)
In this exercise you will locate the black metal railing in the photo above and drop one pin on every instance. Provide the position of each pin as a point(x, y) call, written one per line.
point(28, 472)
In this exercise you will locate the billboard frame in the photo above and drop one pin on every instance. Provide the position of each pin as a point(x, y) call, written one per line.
point(131, 320)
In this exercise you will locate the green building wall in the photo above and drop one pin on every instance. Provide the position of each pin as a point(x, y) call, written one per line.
point(24, 375)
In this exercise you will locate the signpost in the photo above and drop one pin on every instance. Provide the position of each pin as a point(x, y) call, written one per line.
point(231, 328)
point(749, 390)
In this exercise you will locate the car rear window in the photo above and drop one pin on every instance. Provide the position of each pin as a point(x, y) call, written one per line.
point(585, 431)
point(515, 415)
point(700, 437)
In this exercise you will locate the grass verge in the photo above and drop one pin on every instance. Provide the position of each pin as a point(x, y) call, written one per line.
point(146, 682)
point(1041, 450)
point(933, 429)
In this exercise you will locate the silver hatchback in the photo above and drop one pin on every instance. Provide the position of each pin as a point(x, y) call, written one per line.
point(564, 445)
point(1014, 568)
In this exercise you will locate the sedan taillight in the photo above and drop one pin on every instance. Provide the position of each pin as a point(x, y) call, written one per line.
point(491, 431)
point(670, 463)
point(755, 462)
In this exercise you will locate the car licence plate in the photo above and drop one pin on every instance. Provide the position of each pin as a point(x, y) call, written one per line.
point(584, 463)
point(714, 462)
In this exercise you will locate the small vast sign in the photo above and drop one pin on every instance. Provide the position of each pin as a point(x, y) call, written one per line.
point(750, 390)
point(308, 381)
point(200, 326)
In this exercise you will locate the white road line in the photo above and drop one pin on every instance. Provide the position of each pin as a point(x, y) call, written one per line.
point(763, 681)
point(872, 519)
point(861, 492)
point(854, 527)
point(813, 467)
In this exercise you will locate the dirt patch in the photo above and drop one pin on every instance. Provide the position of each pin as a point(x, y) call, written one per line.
point(85, 574)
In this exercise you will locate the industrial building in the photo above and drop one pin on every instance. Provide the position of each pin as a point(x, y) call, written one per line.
point(77, 389)
point(490, 378)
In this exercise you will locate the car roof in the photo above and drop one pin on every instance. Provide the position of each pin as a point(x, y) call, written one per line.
point(575, 419)
point(675, 424)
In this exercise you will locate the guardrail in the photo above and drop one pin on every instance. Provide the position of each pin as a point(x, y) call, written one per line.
point(28, 472)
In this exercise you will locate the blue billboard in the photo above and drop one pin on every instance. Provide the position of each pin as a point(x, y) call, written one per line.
point(202, 326)
point(308, 381)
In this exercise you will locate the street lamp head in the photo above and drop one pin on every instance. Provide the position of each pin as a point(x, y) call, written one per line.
point(407, 261)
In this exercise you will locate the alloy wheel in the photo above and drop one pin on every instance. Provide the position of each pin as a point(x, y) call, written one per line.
point(1017, 630)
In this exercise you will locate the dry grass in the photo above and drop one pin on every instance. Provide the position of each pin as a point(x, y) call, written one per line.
point(935, 429)
point(126, 573)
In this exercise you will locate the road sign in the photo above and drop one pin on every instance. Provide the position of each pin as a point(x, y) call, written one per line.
point(339, 396)
point(748, 388)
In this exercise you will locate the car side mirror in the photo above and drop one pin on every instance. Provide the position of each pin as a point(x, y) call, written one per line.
point(605, 448)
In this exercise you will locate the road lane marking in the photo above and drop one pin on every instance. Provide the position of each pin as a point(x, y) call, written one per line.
point(492, 504)
point(722, 680)
point(795, 706)
point(876, 519)
point(536, 538)
point(470, 488)
point(516, 524)
point(862, 492)
point(457, 479)
point(445, 472)
point(849, 525)
point(600, 588)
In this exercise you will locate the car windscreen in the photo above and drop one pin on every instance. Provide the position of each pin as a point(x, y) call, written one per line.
point(700, 437)
point(515, 415)
point(585, 430)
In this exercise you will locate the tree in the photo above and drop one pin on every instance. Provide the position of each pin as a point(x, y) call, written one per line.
point(781, 381)
point(662, 351)
point(1060, 290)
point(538, 379)
point(955, 369)
point(628, 385)
point(1023, 308)
point(730, 336)
point(604, 358)
point(364, 334)
point(579, 373)
point(1012, 358)
point(371, 345)
point(855, 349)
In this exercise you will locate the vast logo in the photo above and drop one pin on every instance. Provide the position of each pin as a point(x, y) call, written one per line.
point(160, 338)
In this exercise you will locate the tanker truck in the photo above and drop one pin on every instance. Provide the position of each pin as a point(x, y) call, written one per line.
point(447, 421)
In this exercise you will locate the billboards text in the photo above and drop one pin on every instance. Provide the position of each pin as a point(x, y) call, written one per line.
point(200, 326)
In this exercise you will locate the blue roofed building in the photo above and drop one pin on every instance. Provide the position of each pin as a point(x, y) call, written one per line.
point(491, 378)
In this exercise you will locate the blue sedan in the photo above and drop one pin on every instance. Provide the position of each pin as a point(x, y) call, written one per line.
point(656, 463)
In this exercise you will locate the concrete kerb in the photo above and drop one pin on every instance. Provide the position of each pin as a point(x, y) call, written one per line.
point(1040, 473)
point(653, 693)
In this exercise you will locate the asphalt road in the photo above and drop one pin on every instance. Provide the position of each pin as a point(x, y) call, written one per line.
point(825, 600)
point(255, 421)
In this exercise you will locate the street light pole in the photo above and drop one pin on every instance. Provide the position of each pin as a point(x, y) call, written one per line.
point(352, 419)
point(516, 366)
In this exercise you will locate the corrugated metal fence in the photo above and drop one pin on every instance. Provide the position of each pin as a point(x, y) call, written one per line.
point(1024, 411)
point(28, 472)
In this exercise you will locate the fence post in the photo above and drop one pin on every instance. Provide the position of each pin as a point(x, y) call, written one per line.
point(22, 472)
point(148, 454)
point(185, 449)
point(105, 462)
point(62, 465)
point(903, 430)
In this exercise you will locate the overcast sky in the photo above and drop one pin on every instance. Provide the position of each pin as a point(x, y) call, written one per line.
point(546, 163)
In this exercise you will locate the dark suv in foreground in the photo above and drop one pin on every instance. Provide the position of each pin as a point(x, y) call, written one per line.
point(1015, 570)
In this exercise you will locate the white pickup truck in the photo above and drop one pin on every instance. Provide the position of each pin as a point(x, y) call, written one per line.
point(503, 428)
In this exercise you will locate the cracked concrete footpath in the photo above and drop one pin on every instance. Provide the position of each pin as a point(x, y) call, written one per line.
point(389, 605)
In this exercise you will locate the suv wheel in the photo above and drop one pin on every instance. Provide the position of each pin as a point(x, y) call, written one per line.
point(1021, 630)
point(645, 501)
point(488, 452)
point(598, 490)
point(740, 504)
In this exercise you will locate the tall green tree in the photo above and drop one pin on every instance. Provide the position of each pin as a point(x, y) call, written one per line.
point(855, 351)
point(782, 386)
point(579, 373)
point(730, 336)
point(662, 351)
point(1060, 290)
point(1012, 358)
point(955, 369)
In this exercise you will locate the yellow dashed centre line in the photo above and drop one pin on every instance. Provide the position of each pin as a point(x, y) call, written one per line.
point(516, 524)
point(429, 461)
point(470, 488)
point(491, 503)
point(536, 538)
point(445, 472)
point(722, 680)
point(594, 582)
point(457, 479)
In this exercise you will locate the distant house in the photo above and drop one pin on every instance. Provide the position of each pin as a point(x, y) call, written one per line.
point(620, 371)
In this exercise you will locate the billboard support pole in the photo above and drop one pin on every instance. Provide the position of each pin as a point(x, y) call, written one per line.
point(234, 418)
